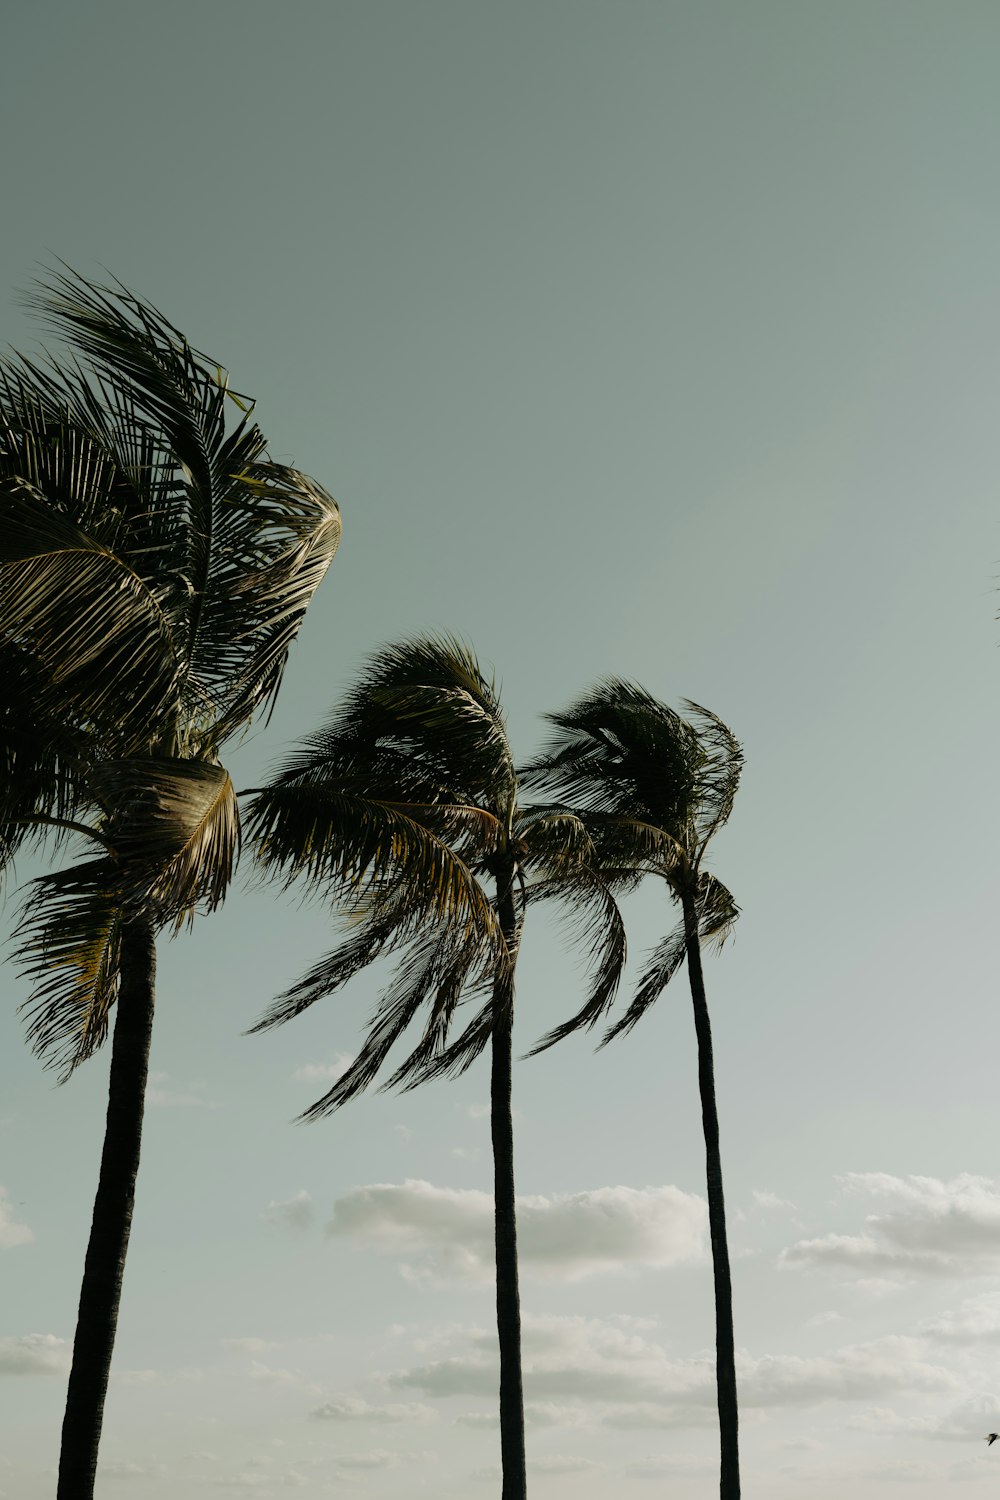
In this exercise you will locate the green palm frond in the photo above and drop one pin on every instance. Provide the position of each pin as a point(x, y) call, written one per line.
point(41, 776)
point(430, 699)
point(717, 911)
point(155, 567)
point(621, 752)
point(70, 936)
point(278, 532)
point(335, 834)
point(174, 826)
point(460, 972)
point(589, 904)
point(98, 635)
point(381, 932)
point(719, 774)
point(661, 967)
point(433, 966)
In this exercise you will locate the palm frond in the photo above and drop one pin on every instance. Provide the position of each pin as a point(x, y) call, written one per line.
point(431, 699)
point(416, 978)
point(717, 910)
point(278, 532)
point(379, 934)
point(69, 945)
point(104, 647)
point(591, 906)
point(719, 775)
point(461, 970)
point(338, 836)
point(619, 751)
point(174, 825)
point(661, 967)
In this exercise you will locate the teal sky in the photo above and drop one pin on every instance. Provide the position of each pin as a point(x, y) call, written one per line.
point(660, 340)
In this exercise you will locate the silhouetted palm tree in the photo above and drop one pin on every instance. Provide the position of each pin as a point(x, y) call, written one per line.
point(154, 569)
point(652, 789)
point(406, 807)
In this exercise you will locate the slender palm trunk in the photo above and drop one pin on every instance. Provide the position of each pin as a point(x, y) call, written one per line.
point(508, 1297)
point(725, 1359)
point(102, 1276)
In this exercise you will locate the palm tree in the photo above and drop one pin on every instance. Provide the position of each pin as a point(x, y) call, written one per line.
point(155, 566)
point(406, 807)
point(652, 789)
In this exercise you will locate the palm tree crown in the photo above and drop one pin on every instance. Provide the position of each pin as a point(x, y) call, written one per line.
point(408, 804)
point(652, 788)
point(155, 567)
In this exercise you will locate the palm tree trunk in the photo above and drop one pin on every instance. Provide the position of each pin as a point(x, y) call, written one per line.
point(725, 1359)
point(102, 1276)
point(508, 1297)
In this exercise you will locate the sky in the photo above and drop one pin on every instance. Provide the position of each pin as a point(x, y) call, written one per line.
point(660, 340)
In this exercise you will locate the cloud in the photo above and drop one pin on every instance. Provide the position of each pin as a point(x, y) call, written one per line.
point(246, 1346)
point(971, 1418)
point(567, 1236)
point(170, 1098)
point(373, 1458)
point(296, 1212)
point(564, 1463)
point(765, 1200)
point(355, 1409)
point(974, 1321)
point(269, 1376)
point(327, 1072)
point(33, 1354)
point(932, 1226)
point(11, 1232)
point(657, 1467)
point(581, 1359)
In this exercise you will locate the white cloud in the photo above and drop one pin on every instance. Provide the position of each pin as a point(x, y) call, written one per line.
point(564, 1463)
point(246, 1346)
point(121, 1469)
point(296, 1212)
point(33, 1354)
point(657, 1467)
point(355, 1409)
point(765, 1200)
point(373, 1458)
point(974, 1321)
point(327, 1072)
point(566, 1236)
point(970, 1419)
point(269, 1376)
point(950, 1228)
point(580, 1359)
point(11, 1232)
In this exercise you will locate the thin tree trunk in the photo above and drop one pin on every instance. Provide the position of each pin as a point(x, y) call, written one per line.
point(508, 1297)
point(725, 1359)
point(100, 1293)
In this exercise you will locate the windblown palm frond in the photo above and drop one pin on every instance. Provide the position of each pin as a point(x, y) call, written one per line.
point(402, 804)
point(155, 566)
point(154, 569)
point(653, 788)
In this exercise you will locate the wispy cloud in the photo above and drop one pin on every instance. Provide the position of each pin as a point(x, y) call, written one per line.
point(33, 1354)
point(595, 1360)
point(297, 1212)
point(355, 1409)
point(567, 1236)
point(324, 1072)
point(928, 1226)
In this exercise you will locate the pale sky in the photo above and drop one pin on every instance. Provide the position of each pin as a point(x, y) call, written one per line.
point(655, 339)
